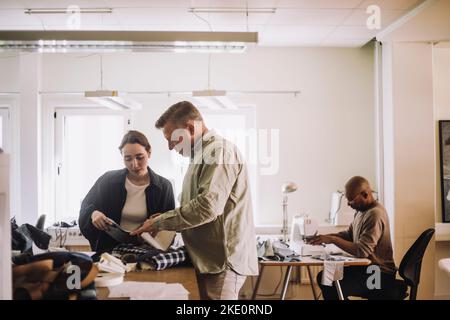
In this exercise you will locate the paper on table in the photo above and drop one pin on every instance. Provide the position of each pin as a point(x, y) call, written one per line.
point(175, 289)
point(162, 241)
point(149, 290)
point(308, 249)
point(136, 288)
point(172, 291)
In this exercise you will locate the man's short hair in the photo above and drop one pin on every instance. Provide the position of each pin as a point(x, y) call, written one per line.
point(179, 114)
point(358, 183)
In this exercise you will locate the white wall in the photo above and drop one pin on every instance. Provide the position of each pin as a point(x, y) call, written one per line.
point(409, 154)
point(441, 61)
point(326, 133)
point(442, 84)
point(441, 68)
point(411, 95)
point(9, 66)
point(414, 154)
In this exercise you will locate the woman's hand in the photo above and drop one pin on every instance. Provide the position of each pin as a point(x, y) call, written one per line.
point(100, 221)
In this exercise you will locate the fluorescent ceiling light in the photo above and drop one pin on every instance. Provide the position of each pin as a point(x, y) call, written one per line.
point(208, 93)
point(232, 10)
point(113, 100)
point(67, 10)
point(114, 41)
point(214, 99)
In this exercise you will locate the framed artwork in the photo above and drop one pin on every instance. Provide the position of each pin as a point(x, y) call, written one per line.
point(444, 146)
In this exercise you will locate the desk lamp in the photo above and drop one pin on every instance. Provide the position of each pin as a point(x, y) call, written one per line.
point(287, 187)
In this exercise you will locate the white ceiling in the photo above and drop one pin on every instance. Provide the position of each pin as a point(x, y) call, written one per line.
point(295, 22)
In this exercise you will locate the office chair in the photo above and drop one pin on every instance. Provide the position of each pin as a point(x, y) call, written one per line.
point(410, 268)
point(40, 222)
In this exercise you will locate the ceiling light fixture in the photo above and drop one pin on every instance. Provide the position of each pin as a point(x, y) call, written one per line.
point(231, 10)
point(214, 99)
point(136, 41)
point(67, 10)
point(112, 99)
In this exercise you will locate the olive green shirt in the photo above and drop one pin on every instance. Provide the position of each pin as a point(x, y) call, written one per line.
point(215, 217)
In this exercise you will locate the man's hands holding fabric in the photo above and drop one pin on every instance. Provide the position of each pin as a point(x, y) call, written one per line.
point(147, 226)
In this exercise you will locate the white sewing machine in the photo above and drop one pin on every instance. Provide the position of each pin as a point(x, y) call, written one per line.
point(304, 227)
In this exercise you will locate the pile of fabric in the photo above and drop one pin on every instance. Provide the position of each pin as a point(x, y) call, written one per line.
point(275, 251)
point(149, 258)
point(42, 275)
point(54, 276)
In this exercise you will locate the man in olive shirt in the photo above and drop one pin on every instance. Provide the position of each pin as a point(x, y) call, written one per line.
point(215, 217)
point(367, 237)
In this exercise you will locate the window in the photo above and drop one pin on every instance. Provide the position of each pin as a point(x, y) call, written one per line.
point(4, 129)
point(236, 126)
point(86, 146)
point(1, 131)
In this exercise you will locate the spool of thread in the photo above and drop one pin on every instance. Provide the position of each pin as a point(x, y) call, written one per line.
point(108, 279)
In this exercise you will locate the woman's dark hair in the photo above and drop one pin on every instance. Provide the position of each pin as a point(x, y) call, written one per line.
point(134, 136)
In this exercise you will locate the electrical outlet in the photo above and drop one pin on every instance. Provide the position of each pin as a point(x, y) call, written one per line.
point(66, 237)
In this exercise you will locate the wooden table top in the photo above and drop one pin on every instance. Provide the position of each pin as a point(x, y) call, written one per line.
point(184, 275)
point(309, 261)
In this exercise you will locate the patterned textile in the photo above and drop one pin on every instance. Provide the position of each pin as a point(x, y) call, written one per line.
point(148, 257)
point(122, 249)
point(166, 260)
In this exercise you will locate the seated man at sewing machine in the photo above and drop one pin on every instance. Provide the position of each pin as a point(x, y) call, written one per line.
point(368, 236)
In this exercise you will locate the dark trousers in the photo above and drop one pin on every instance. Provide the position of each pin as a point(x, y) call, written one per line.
point(355, 284)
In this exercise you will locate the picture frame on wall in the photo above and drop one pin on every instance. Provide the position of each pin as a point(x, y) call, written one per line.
point(444, 155)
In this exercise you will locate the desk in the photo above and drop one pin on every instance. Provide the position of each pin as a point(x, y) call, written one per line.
point(184, 275)
point(305, 262)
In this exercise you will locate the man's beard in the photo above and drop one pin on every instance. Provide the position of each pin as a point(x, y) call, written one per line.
point(360, 207)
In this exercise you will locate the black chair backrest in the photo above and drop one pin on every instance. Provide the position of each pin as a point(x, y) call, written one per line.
point(41, 222)
point(411, 263)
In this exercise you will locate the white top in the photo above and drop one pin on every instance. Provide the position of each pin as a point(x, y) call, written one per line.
point(134, 212)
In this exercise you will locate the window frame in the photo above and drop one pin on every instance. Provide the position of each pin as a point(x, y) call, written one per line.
point(5, 114)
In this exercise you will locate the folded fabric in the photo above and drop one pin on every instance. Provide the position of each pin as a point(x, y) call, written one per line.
point(123, 249)
point(109, 263)
point(146, 257)
point(162, 260)
point(275, 251)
